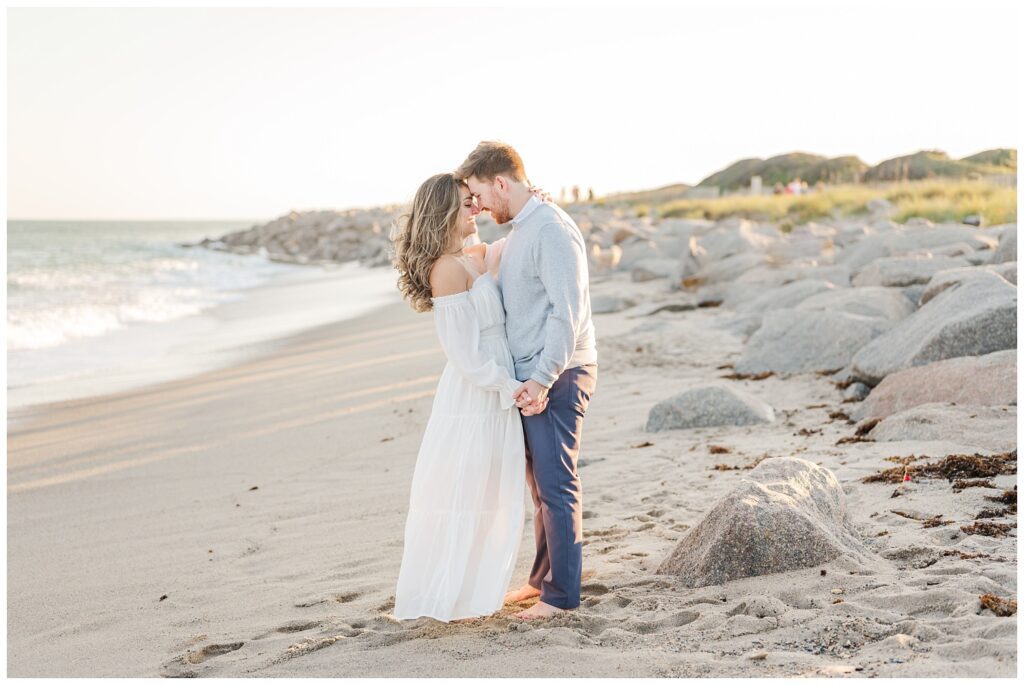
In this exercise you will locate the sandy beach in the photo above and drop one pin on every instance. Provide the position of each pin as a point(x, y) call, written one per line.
point(800, 458)
point(248, 521)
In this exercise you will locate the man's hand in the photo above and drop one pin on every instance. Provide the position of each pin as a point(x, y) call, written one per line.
point(535, 408)
point(531, 394)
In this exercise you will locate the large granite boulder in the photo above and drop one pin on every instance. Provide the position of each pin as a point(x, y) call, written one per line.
point(901, 271)
point(1007, 270)
point(860, 254)
point(896, 241)
point(652, 268)
point(741, 325)
point(609, 304)
point(786, 514)
point(972, 426)
point(1007, 248)
point(636, 249)
point(709, 405)
point(870, 301)
point(976, 317)
point(729, 268)
point(927, 236)
point(802, 341)
point(727, 294)
point(950, 277)
point(785, 296)
point(798, 246)
point(849, 233)
point(990, 379)
point(838, 276)
point(683, 228)
point(689, 263)
point(736, 237)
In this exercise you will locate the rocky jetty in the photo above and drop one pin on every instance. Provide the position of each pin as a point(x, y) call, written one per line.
point(316, 237)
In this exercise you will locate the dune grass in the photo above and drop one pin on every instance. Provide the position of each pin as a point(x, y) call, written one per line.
point(935, 200)
point(951, 201)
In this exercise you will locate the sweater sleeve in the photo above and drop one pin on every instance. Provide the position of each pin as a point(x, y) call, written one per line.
point(560, 265)
point(459, 332)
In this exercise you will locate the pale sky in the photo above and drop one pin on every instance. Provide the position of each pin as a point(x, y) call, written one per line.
point(251, 113)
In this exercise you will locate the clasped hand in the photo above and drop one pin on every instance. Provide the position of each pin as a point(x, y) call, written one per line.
point(531, 397)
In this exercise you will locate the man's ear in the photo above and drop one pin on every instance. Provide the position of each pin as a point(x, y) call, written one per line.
point(502, 183)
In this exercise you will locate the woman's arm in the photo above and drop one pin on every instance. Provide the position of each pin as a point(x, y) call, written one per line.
point(458, 330)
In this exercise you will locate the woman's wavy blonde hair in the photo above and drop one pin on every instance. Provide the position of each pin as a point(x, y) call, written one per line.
point(423, 235)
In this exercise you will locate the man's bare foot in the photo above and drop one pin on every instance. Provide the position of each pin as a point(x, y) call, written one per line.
point(539, 610)
point(525, 592)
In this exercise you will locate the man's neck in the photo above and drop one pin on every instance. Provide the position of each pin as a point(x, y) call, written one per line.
point(519, 195)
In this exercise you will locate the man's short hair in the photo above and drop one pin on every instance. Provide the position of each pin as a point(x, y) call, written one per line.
point(490, 159)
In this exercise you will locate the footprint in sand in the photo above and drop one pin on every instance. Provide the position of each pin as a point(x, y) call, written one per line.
point(297, 626)
point(314, 643)
point(180, 666)
point(340, 598)
point(611, 533)
point(674, 621)
point(210, 651)
point(608, 604)
point(654, 583)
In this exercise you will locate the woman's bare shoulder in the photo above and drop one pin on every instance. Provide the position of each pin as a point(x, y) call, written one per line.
point(448, 277)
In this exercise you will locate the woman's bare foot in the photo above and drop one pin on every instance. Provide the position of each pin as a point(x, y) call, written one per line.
point(525, 592)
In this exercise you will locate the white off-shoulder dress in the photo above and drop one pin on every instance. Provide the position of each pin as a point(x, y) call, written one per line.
point(466, 506)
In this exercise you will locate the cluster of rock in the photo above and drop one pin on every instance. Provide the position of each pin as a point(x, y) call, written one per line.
point(919, 321)
point(317, 237)
point(858, 298)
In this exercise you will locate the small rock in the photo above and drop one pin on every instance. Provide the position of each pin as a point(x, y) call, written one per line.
point(710, 405)
point(856, 391)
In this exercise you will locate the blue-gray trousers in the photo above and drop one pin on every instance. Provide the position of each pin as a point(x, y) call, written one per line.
point(552, 448)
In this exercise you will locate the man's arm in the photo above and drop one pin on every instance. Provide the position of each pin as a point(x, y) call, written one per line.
point(561, 266)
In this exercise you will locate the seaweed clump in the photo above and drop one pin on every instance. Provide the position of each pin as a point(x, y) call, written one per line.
point(998, 605)
point(952, 467)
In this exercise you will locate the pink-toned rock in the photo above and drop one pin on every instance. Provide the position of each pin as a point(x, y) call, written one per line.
point(989, 379)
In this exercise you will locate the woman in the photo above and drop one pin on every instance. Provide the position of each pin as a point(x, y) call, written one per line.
point(469, 484)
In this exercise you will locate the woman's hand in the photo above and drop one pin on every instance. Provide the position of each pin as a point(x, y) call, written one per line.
point(534, 409)
point(541, 194)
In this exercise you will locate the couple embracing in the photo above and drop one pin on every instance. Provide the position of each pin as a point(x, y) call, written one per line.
point(513, 318)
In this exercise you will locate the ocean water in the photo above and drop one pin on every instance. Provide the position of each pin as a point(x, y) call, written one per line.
point(101, 306)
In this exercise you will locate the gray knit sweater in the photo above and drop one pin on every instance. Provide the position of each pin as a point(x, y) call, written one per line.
point(546, 289)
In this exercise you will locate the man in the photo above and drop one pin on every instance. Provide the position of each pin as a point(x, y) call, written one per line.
point(545, 287)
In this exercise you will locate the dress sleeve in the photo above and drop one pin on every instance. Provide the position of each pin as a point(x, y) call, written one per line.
point(459, 332)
